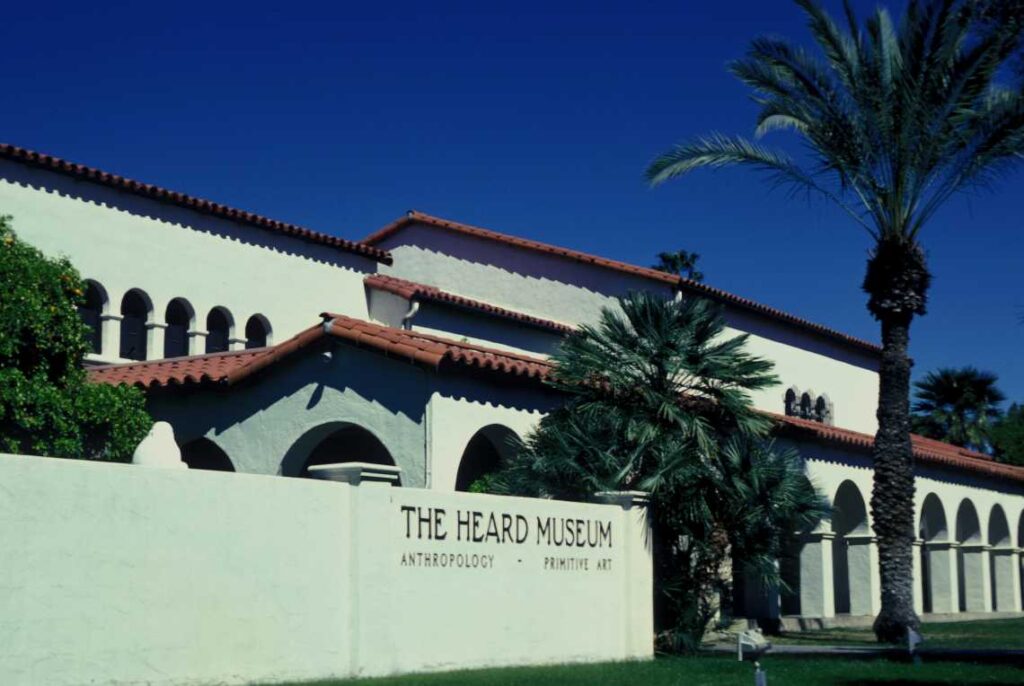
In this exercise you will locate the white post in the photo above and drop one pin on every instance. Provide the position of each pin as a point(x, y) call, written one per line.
point(370, 561)
point(155, 334)
point(943, 583)
point(817, 586)
point(197, 341)
point(976, 583)
point(918, 577)
point(1006, 574)
point(639, 577)
point(862, 561)
point(110, 336)
point(236, 343)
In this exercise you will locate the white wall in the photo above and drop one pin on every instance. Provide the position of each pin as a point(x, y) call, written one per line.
point(555, 288)
point(123, 574)
point(124, 241)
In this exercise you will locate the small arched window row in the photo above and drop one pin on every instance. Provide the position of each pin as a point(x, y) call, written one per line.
point(808, 405)
point(180, 319)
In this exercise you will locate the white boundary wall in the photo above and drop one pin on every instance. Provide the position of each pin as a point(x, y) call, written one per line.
point(119, 574)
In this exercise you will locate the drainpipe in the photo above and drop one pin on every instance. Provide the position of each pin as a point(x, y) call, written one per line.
point(414, 307)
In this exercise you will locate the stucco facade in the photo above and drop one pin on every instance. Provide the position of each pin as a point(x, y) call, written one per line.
point(451, 375)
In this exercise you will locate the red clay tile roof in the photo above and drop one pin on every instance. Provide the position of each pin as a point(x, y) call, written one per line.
point(201, 370)
point(439, 353)
point(411, 290)
point(926, 450)
point(79, 171)
point(226, 369)
point(435, 351)
point(414, 217)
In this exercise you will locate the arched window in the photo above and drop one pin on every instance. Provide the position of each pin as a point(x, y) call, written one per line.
point(823, 410)
point(791, 404)
point(91, 312)
point(135, 309)
point(807, 406)
point(257, 332)
point(218, 330)
point(484, 454)
point(179, 319)
point(203, 453)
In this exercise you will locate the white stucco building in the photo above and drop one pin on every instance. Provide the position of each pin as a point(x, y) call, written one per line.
point(271, 348)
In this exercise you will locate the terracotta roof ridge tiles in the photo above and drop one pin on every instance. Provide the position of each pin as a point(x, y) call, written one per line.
point(414, 216)
point(411, 289)
point(435, 350)
point(98, 176)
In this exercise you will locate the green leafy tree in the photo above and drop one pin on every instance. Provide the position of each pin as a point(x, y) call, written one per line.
point(958, 406)
point(1008, 436)
point(657, 400)
point(681, 263)
point(894, 121)
point(47, 407)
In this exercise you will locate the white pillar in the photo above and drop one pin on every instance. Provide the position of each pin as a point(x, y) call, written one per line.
point(236, 344)
point(977, 589)
point(638, 630)
point(918, 577)
point(155, 334)
point(816, 586)
point(942, 577)
point(1006, 574)
point(197, 342)
point(862, 562)
point(110, 336)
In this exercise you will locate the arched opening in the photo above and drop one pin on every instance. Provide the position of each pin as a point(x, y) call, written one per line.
point(806, 406)
point(178, 317)
point(333, 443)
point(91, 311)
point(934, 580)
point(202, 453)
point(1002, 559)
point(851, 558)
point(790, 402)
point(257, 332)
point(485, 453)
point(218, 330)
point(135, 309)
point(823, 410)
point(969, 559)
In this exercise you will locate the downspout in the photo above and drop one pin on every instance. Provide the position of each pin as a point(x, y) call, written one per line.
point(414, 307)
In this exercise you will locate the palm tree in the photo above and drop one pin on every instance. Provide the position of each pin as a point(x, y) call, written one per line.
point(894, 121)
point(959, 406)
point(657, 400)
point(681, 263)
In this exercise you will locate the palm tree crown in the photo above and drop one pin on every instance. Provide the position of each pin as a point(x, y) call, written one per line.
point(959, 406)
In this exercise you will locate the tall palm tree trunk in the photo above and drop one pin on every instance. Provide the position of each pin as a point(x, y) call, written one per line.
point(892, 498)
point(897, 282)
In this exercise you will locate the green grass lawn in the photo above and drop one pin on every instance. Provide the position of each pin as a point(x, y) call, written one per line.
point(994, 633)
point(715, 670)
point(723, 670)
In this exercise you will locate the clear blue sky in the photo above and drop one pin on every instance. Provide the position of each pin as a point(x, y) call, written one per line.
point(531, 118)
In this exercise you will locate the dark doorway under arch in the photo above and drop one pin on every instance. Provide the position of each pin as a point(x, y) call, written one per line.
point(346, 443)
point(202, 453)
point(484, 454)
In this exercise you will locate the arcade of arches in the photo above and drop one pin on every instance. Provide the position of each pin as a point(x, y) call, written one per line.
point(969, 557)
